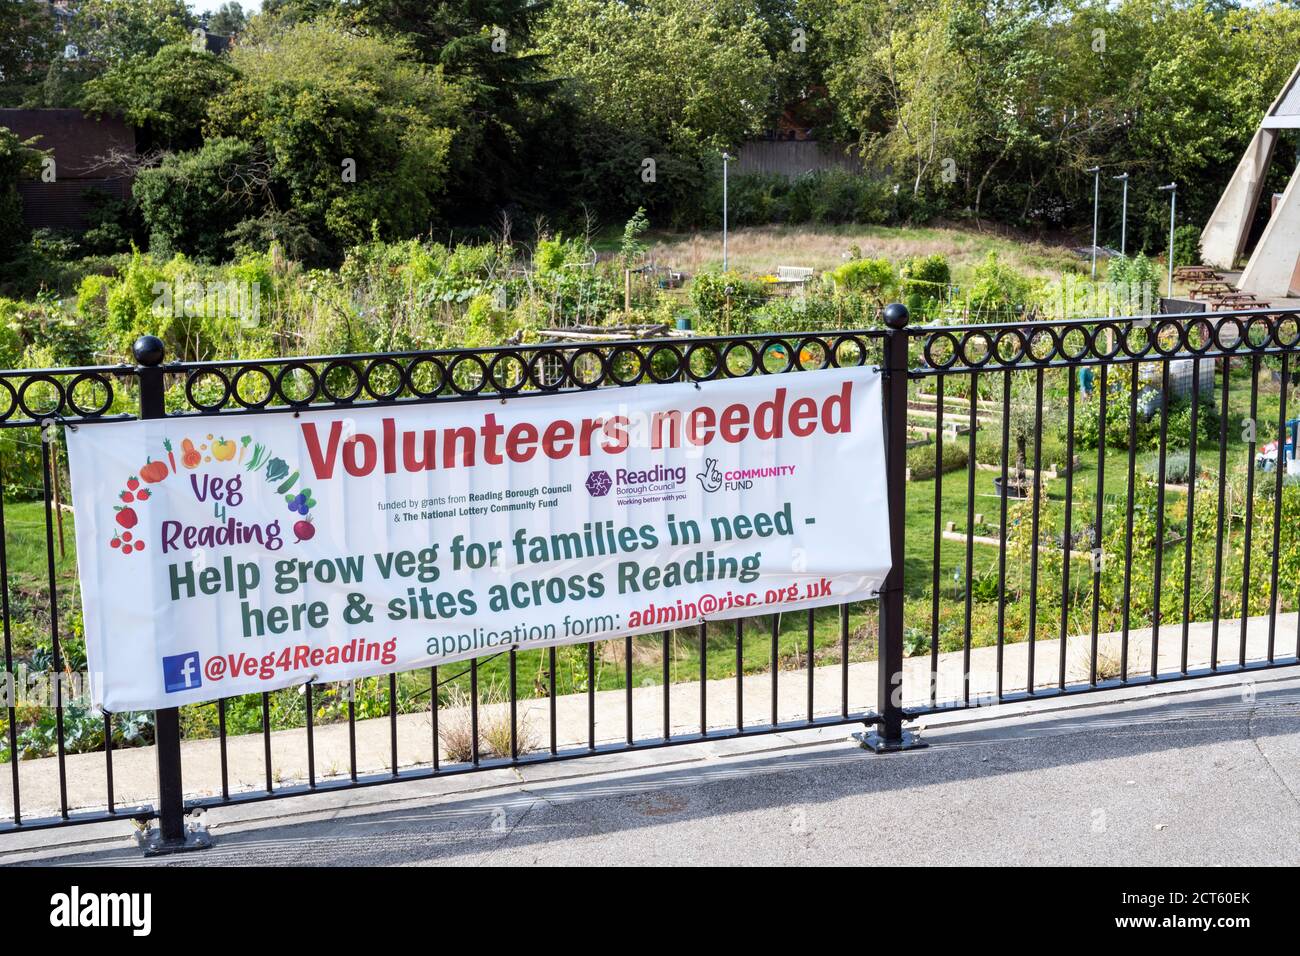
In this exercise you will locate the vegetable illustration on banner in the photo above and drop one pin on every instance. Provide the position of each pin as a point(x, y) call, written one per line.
point(220, 485)
point(341, 543)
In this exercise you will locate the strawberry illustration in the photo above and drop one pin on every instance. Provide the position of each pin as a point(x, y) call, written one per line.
point(127, 496)
point(133, 483)
point(142, 494)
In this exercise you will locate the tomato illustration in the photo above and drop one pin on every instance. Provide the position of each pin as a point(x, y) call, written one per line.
point(153, 471)
point(126, 517)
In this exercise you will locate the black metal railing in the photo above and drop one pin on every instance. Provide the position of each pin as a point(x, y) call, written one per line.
point(1089, 551)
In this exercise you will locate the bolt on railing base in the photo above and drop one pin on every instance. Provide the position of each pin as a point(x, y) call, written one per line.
point(874, 741)
point(151, 840)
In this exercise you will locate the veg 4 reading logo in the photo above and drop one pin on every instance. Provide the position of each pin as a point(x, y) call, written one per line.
point(181, 672)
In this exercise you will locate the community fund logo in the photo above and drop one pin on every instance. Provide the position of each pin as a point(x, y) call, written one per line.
point(75, 908)
point(712, 478)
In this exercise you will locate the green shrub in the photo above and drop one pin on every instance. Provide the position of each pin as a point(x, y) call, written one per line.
point(1187, 245)
point(920, 460)
point(874, 277)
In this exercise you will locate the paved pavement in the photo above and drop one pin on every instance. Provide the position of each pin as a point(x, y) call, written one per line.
point(1205, 774)
point(135, 778)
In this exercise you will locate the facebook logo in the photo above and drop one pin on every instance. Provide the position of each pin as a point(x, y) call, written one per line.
point(182, 672)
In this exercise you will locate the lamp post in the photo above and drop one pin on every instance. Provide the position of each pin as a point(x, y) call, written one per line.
point(1123, 221)
point(1172, 189)
point(726, 157)
point(1096, 193)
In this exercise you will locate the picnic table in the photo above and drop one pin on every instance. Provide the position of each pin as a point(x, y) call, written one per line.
point(1196, 274)
point(1237, 300)
point(1210, 288)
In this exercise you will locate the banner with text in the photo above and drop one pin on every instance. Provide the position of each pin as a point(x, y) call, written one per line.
point(223, 556)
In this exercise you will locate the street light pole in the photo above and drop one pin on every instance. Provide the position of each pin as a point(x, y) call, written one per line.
point(1123, 221)
point(1096, 193)
point(726, 157)
point(1172, 189)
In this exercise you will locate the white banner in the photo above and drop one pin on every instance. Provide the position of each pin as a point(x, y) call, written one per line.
point(229, 555)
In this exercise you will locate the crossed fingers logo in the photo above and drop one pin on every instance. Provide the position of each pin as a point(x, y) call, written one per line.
point(711, 476)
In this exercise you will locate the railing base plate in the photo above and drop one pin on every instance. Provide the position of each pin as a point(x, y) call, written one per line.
point(151, 841)
point(873, 741)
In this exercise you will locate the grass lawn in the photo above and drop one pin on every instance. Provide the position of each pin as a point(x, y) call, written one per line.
point(760, 249)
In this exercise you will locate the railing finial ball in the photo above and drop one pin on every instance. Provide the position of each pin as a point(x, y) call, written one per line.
point(148, 350)
point(895, 315)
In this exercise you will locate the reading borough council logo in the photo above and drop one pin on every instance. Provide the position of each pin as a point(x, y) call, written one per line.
point(598, 484)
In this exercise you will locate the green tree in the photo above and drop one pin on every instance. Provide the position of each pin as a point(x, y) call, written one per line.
point(228, 20)
point(17, 159)
point(352, 133)
point(27, 41)
point(165, 95)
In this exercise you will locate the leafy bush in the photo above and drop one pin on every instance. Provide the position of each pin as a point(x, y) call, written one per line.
point(1177, 468)
point(821, 196)
point(187, 202)
point(1179, 429)
point(723, 300)
point(874, 277)
point(1187, 245)
point(996, 289)
point(920, 460)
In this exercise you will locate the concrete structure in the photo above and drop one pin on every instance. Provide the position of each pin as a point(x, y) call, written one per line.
point(1273, 270)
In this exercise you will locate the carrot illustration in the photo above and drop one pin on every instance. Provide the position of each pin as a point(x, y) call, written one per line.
point(167, 443)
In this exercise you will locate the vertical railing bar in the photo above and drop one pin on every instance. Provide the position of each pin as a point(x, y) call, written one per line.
point(1277, 507)
point(514, 703)
point(225, 758)
point(1159, 570)
point(1128, 522)
point(844, 660)
point(1067, 533)
point(46, 441)
point(740, 674)
point(352, 729)
point(311, 737)
point(108, 760)
point(551, 702)
point(776, 631)
point(704, 679)
point(1218, 537)
point(811, 649)
point(627, 680)
point(9, 660)
point(591, 695)
point(434, 741)
point(1034, 526)
point(1097, 554)
point(667, 678)
point(475, 756)
point(392, 720)
point(1191, 514)
point(266, 737)
point(1002, 529)
point(938, 542)
point(971, 468)
point(1250, 509)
